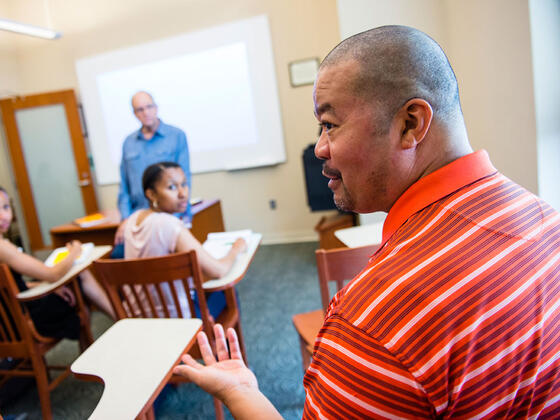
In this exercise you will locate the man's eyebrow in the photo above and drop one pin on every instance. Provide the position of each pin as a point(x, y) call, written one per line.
point(326, 107)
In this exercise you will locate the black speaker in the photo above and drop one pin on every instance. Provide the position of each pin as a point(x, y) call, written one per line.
point(319, 195)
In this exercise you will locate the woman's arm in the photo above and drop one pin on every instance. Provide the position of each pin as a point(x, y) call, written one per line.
point(32, 267)
point(212, 267)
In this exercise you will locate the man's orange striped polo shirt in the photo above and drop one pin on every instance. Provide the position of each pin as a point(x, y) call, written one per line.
point(456, 315)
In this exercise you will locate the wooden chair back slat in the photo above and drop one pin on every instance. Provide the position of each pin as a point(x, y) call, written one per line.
point(12, 318)
point(175, 297)
point(163, 304)
point(340, 265)
point(7, 327)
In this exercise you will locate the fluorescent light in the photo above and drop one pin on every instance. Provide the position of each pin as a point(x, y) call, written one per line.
point(23, 28)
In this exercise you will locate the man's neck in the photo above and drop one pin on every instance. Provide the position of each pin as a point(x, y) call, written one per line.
point(149, 131)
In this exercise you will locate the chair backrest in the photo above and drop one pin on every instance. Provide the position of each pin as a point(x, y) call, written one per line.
point(13, 322)
point(154, 287)
point(339, 265)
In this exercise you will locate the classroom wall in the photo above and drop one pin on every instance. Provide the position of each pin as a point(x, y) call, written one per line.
point(490, 49)
point(545, 30)
point(299, 29)
point(488, 43)
point(489, 46)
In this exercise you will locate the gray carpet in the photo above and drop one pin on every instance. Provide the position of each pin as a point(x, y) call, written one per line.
point(281, 281)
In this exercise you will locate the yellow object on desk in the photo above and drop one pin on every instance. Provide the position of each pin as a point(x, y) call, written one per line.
point(91, 220)
point(60, 253)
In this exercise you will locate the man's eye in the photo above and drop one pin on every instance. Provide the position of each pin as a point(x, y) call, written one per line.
point(326, 126)
point(172, 187)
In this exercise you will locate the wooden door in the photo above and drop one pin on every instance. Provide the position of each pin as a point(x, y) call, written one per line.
point(49, 159)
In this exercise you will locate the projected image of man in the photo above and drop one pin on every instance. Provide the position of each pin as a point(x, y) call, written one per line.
point(153, 142)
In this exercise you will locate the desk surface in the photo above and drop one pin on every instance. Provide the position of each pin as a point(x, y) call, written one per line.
point(239, 267)
point(134, 359)
point(207, 217)
point(362, 235)
point(45, 288)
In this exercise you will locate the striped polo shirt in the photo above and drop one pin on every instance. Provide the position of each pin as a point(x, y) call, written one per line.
point(456, 315)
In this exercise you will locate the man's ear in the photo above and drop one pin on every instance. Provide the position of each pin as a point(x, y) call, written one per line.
point(416, 117)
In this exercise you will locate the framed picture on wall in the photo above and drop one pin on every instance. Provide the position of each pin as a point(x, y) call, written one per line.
point(303, 72)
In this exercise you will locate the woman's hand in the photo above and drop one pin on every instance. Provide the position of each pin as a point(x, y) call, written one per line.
point(66, 294)
point(240, 245)
point(74, 249)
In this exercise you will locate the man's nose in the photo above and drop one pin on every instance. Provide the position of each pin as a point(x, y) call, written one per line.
point(322, 148)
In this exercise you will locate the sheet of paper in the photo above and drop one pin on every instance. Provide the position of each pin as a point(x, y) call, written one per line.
point(218, 244)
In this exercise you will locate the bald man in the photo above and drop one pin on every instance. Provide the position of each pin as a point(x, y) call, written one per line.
point(153, 142)
point(456, 314)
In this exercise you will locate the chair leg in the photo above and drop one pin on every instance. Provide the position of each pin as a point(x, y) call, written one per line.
point(305, 356)
point(42, 381)
point(219, 409)
point(147, 414)
point(86, 338)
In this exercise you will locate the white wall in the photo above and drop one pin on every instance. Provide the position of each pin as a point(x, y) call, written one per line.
point(489, 46)
point(490, 49)
point(359, 15)
point(299, 29)
point(545, 31)
point(488, 43)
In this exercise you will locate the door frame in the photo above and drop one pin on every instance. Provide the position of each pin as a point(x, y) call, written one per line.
point(8, 108)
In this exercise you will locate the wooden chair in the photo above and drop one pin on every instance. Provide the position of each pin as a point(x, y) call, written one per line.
point(20, 340)
point(339, 265)
point(137, 288)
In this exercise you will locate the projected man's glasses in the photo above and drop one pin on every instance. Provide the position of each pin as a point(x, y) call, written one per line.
point(144, 108)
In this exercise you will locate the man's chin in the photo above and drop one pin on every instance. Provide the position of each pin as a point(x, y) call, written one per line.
point(343, 204)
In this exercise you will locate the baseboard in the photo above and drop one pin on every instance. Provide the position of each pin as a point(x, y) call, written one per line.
point(273, 238)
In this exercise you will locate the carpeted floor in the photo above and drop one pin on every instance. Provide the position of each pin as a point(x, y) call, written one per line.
point(281, 281)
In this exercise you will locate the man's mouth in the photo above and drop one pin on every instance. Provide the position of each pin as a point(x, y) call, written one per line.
point(335, 177)
point(331, 173)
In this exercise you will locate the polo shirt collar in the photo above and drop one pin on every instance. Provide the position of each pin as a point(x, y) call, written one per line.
point(162, 128)
point(436, 185)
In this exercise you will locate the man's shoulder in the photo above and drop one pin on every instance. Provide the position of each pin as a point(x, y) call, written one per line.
point(168, 129)
point(131, 138)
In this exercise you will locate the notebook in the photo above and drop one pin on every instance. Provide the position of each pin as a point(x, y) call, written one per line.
point(60, 253)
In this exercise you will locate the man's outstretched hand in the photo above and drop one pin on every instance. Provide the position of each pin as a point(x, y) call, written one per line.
point(227, 378)
point(221, 377)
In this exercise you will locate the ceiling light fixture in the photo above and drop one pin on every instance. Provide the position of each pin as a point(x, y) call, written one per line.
point(25, 29)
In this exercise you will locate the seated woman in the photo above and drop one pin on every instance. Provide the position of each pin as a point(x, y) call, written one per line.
point(155, 231)
point(53, 315)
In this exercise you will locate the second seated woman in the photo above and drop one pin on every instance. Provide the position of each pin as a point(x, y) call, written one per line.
point(155, 231)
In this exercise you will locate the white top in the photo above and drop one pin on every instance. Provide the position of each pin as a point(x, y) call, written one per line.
point(156, 236)
point(134, 358)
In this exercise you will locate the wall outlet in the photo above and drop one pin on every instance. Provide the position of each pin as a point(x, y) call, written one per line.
point(272, 204)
